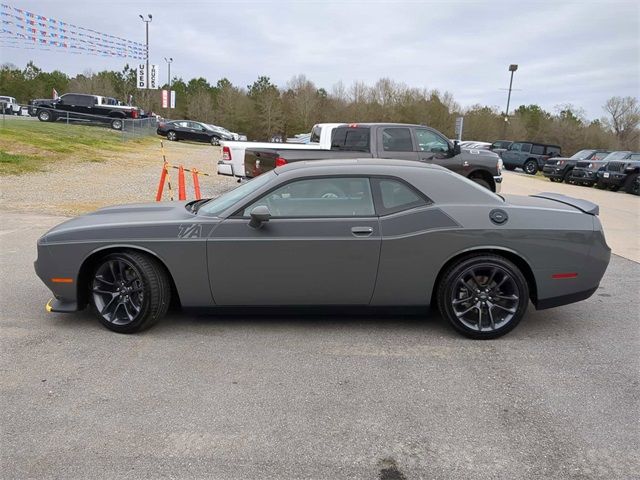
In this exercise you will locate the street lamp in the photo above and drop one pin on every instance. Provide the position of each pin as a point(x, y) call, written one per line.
point(512, 68)
point(147, 22)
point(169, 60)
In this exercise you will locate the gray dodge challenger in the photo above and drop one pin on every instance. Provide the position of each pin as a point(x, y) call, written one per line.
point(364, 232)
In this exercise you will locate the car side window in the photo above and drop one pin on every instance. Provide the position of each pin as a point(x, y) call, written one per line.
point(397, 139)
point(396, 196)
point(537, 149)
point(515, 147)
point(319, 197)
point(555, 151)
point(525, 147)
point(429, 141)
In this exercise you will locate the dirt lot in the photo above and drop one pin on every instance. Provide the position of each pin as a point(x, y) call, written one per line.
point(79, 187)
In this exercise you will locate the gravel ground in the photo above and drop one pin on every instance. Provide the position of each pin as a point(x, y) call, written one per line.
point(81, 187)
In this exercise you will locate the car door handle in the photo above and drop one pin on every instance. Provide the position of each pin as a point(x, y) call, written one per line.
point(362, 231)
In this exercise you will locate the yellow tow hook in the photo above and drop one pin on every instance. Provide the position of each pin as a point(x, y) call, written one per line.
point(48, 307)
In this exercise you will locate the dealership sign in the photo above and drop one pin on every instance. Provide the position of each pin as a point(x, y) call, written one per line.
point(154, 77)
point(168, 99)
point(142, 76)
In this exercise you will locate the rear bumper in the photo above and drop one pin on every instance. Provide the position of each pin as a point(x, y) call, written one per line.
point(225, 168)
point(564, 299)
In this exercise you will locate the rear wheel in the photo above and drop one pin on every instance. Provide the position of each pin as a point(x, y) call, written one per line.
point(530, 167)
point(129, 291)
point(632, 184)
point(117, 123)
point(483, 296)
point(172, 136)
point(215, 141)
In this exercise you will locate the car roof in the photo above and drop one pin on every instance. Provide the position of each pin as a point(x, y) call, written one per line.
point(358, 163)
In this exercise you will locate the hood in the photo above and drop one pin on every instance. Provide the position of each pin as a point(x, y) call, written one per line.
point(480, 151)
point(139, 220)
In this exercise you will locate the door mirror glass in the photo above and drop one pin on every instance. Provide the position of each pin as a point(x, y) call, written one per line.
point(259, 215)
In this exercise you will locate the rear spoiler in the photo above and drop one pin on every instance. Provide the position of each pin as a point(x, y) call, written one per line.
point(583, 205)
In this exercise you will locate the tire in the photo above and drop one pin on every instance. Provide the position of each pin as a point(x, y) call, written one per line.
point(530, 167)
point(632, 184)
point(511, 168)
point(601, 185)
point(215, 141)
point(566, 177)
point(172, 136)
point(117, 123)
point(45, 116)
point(502, 295)
point(482, 182)
point(140, 286)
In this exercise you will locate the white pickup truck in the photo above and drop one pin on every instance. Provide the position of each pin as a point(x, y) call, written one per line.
point(232, 162)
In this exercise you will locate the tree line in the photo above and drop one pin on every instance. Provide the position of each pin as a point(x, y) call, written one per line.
point(263, 109)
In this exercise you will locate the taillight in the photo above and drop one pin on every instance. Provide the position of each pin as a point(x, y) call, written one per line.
point(280, 162)
point(226, 154)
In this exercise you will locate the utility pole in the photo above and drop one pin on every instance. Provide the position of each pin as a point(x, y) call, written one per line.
point(169, 60)
point(512, 68)
point(147, 22)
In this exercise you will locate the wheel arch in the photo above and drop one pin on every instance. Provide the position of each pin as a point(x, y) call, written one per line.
point(91, 261)
point(509, 254)
point(484, 175)
point(116, 114)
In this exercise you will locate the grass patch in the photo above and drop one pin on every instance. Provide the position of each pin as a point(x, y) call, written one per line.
point(27, 146)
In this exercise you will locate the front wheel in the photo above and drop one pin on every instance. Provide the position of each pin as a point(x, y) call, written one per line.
point(601, 185)
point(129, 291)
point(45, 116)
point(530, 167)
point(482, 182)
point(483, 296)
point(632, 184)
point(511, 168)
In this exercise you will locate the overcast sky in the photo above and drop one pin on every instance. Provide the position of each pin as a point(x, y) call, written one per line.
point(580, 52)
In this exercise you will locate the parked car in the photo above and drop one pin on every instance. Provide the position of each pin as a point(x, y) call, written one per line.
point(585, 171)
point(529, 156)
point(624, 172)
point(388, 140)
point(190, 130)
point(558, 169)
point(368, 232)
point(9, 106)
point(500, 146)
point(233, 135)
point(472, 144)
point(233, 153)
point(94, 108)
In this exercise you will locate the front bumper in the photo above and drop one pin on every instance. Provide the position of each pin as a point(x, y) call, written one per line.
point(498, 181)
point(612, 178)
point(583, 176)
point(551, 171)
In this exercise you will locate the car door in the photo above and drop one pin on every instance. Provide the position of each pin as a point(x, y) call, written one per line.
point(320, 246)
point(434, 148)
point(396, 142)
point(182, 130)
point(197, 132)
point(511, 156)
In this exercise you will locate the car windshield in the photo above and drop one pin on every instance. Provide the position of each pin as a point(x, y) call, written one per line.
point(218, 205)
point(616, 156)
point(582, 154)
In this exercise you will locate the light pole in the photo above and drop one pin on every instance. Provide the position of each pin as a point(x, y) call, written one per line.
point(512, 68)
point(169, 60)
point(147, 22)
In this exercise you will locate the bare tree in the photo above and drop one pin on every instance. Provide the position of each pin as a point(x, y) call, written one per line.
point(624, 121)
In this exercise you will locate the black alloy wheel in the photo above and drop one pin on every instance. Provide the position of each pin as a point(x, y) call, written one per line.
point(129, 291)
point(530, 167)
point(483, 296)
point(632, 184)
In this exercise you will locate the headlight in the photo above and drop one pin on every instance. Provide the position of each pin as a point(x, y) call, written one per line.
point(500, 165)
point(590, 166)
point(560, 162)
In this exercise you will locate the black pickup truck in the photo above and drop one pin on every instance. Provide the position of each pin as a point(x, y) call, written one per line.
point(388, 140)
point(80, 106)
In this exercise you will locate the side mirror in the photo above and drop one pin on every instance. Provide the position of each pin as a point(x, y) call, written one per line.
point(456, 148)
point(259, 215)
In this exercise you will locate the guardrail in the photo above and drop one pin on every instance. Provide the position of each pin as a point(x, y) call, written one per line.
point(129, 128)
